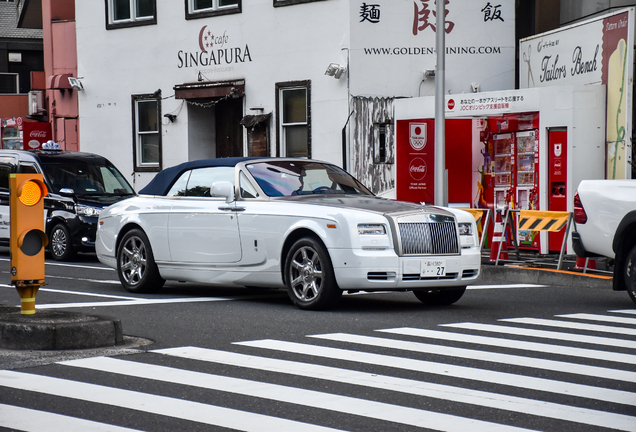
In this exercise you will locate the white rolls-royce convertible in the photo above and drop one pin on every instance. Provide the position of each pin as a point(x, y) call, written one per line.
point(299, 224)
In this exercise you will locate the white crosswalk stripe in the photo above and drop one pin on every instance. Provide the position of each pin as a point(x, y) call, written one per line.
point(459, 365)
point(31, 420)
point(520, 345)
point(573, 325)
point(544, 334)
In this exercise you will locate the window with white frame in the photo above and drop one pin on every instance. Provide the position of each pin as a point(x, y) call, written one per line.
point(294, 132)
point(206, 8)
point(127, 13)
point(147, 138)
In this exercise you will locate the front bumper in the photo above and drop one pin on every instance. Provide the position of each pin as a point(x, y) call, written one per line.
point(377, 270)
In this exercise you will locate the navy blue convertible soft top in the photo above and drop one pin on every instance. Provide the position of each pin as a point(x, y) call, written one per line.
point(164, 179)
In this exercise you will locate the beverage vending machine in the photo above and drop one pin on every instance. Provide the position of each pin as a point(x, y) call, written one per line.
point(16, 134)
point(516, 168)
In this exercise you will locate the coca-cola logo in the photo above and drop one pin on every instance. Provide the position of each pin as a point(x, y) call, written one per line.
point(417, 169)
point(37, 134)
point(451, 104)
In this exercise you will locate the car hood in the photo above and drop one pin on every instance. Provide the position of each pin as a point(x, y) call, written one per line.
point(101, 200)
point(368, 203)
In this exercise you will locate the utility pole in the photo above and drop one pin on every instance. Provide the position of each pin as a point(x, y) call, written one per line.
point(441, 180)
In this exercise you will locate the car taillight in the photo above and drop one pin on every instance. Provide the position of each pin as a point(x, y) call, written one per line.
point(580, 217)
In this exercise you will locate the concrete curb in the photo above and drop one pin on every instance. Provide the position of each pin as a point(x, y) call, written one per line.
point(542, 276)
point(57, 330)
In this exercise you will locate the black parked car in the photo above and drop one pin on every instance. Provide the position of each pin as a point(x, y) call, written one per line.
point(80, 186)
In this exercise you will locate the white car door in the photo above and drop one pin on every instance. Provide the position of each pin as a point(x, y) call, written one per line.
point(201, 228)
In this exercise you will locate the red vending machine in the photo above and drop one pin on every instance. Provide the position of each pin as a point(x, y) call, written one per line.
point(17, 134)
point(516, 167)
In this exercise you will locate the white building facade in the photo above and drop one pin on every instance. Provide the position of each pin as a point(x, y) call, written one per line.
point(167, 81)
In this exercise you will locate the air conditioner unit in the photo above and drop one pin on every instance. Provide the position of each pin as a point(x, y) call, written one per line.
point(36, 102)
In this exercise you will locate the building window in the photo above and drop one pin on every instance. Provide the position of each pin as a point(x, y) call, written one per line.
point(207, 8)
point(129, 13)
point(147, 134)
point(294, 119)
point(9, 83)
point(279, 3)
point(382, 139)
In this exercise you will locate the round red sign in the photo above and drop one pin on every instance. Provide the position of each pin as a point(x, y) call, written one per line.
point(451, 104)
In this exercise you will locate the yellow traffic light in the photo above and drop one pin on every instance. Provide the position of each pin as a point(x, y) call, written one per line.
point(28, 239)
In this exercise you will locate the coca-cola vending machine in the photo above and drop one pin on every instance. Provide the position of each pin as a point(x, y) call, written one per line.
point(516, 166)
point(18, 134)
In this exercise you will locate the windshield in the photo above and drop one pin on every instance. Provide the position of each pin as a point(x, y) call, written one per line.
point(288, 178)
point(86, 179)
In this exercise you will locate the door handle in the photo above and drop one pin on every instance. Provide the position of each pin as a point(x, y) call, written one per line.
point(232, 208)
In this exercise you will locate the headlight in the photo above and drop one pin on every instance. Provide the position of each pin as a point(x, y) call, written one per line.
point(83, 210)
point(371, 229)
point(465, 229)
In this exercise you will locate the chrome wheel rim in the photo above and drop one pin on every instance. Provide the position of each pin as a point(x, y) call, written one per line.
point(132, 262)
point(58, 242)
point(305, 273)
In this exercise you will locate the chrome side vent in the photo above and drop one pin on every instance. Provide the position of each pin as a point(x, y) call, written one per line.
point(424, 238)
point(381, 276)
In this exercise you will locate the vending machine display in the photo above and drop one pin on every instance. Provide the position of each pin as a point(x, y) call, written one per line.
point(504, 164)
point(515, 174)
point(12, 133)
point(527, 152)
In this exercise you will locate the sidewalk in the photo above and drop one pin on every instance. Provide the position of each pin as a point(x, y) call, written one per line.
point(533, 268)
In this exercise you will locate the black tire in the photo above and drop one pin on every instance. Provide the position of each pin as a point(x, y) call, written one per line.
point(440, 297)
point(630, 274)
point(61, 243)
point(136, 266)
point(309, 276)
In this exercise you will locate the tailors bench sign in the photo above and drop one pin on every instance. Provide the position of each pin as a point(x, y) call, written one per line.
point(597, 51)
point(577, 54)
point(216, 51)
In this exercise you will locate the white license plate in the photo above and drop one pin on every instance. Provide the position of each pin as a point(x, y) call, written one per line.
point(433, 268)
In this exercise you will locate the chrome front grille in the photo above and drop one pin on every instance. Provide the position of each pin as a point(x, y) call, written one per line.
point(428, 238)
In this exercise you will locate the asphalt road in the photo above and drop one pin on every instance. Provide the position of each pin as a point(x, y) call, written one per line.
point(201, 358)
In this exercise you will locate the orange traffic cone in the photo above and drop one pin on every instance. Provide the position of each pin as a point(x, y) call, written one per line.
point(585, 264)
point(498, 248)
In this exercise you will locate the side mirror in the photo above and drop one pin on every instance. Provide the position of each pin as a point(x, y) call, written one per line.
point(223, 189)
point(68, 192)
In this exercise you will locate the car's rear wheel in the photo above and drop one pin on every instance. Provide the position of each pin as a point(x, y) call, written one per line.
point(630, 274)
point(136, 266)
point(440, 297)
point(309, 276)
point(61, 243)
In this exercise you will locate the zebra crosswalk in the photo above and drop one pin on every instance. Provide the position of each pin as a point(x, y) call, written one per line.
point(573, 372)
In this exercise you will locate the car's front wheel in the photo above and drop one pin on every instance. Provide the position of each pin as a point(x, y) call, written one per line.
point(309, 276)
point(61, 243)
point(440, 297)
point(136, 266)
point(630, 274)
